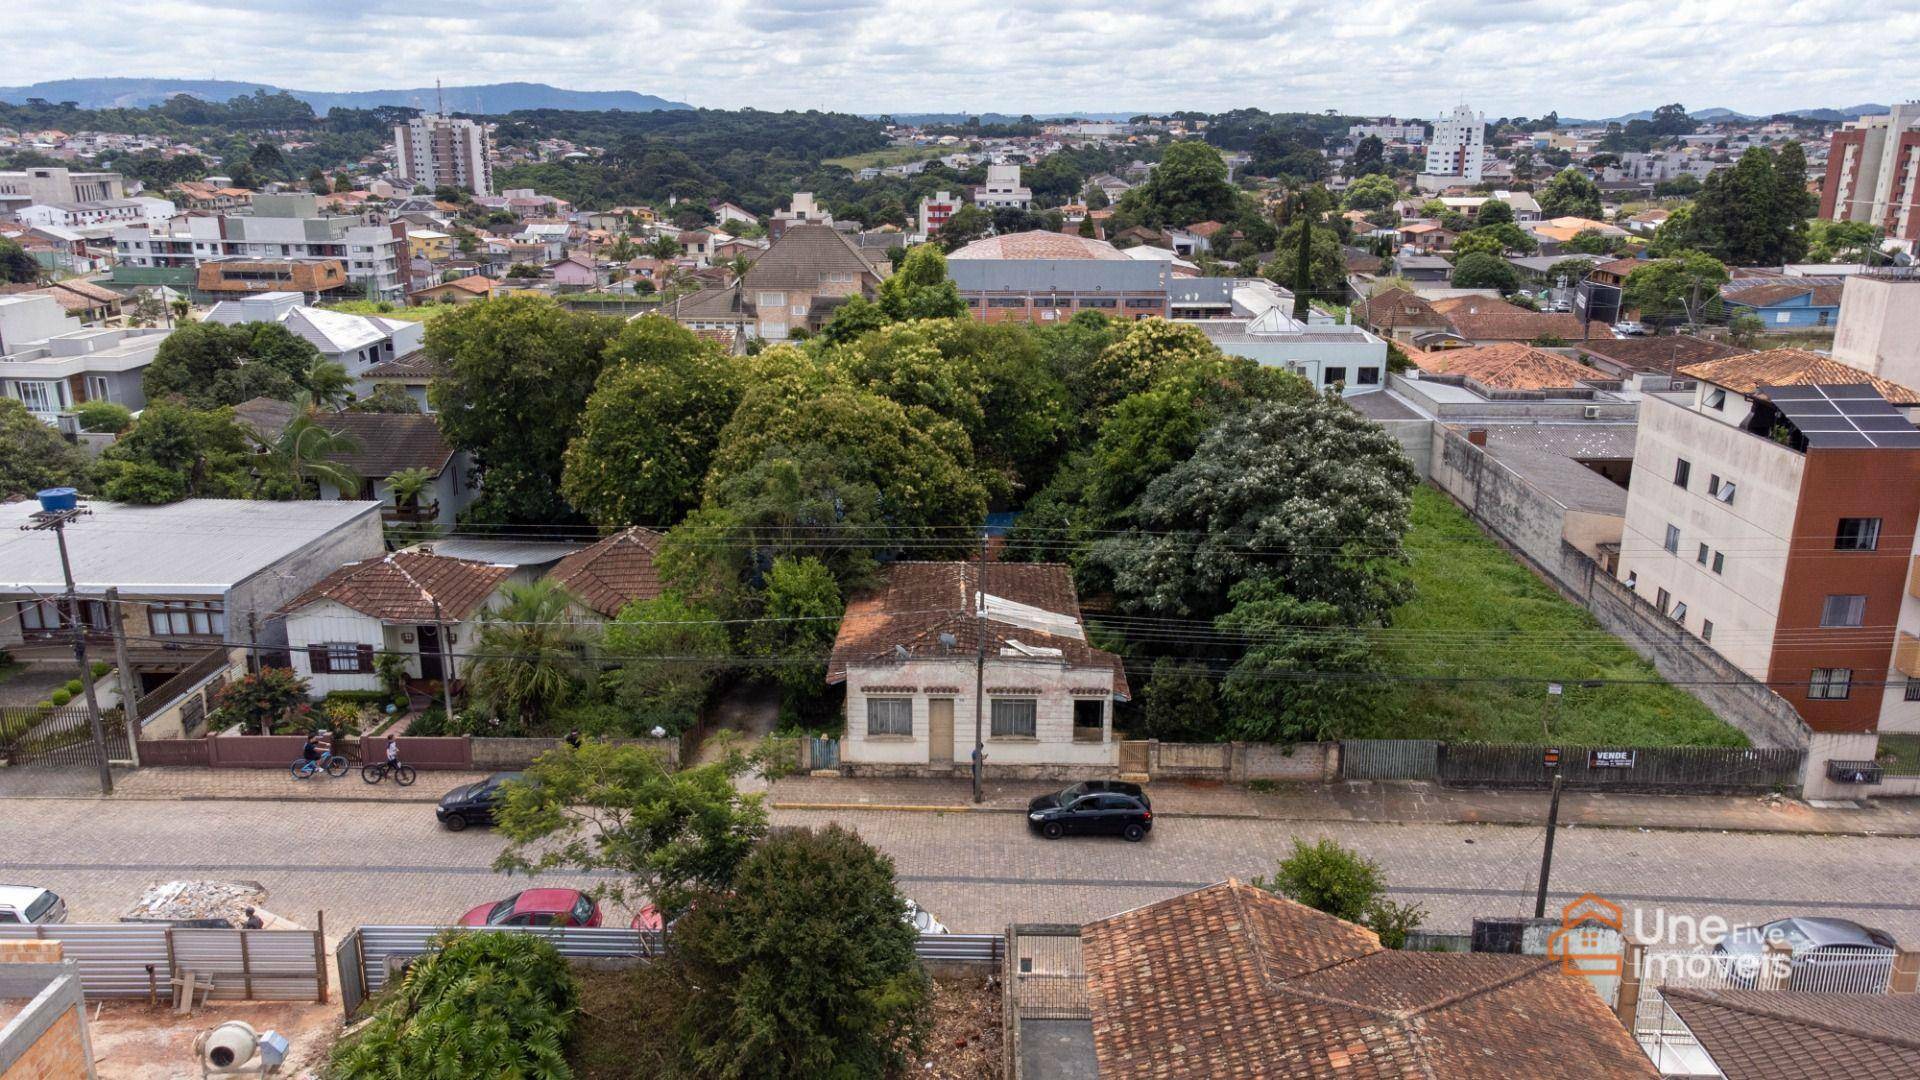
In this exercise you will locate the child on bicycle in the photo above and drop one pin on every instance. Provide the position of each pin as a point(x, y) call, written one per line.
point(393, 753)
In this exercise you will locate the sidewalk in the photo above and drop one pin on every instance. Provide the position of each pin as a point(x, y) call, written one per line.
point(1409, 802)
point(192, 783)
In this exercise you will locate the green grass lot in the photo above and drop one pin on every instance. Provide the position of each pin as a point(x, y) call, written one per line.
point(1479, 613)
point(423, 313)
point(880, 159)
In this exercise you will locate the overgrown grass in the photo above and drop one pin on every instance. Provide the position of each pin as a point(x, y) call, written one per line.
point(1482, 615)
point(892, 155)
point(386, 310)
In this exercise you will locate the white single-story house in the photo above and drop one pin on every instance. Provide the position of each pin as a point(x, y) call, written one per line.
point(907, 651)
point(426, 607)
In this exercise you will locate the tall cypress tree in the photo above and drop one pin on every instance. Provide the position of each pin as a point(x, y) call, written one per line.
point(1303, 264)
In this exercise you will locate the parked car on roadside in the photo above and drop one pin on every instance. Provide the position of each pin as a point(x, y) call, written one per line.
point(1096, 787)
point(473, 804)
point(30, 905)
point(1629, 328)
point(1074, 812)
point(1821, 951)
point(537, 907)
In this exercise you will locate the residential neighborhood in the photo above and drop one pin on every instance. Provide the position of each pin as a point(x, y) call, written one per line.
point(998, 551)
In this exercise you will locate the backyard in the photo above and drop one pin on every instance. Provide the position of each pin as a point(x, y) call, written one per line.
point(1480, 615)
point(880, 159)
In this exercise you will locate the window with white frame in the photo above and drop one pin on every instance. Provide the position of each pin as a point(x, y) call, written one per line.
point(889, 716)
point(182, 618)
point(1830, 684)
point(46, 616)
point(39, 396)
point(1015, 717)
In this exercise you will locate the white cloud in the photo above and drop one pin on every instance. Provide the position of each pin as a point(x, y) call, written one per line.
point(1413, 57)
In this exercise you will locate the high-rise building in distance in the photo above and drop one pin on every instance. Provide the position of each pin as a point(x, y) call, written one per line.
point(434, 150)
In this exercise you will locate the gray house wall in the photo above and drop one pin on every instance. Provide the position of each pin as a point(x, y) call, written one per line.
point(272, 588)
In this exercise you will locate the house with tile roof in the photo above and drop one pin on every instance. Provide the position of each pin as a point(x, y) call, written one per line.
point(413, 603)
point(1231, 980)
point(1398, 315)
point(383, 444)
point(464, 290)
point(912, 652)
point(608, 575)
point(410, 372)
point(798, 283)
point(1044, 277)
point(1505, 366)
point(1788, 1034)
point(1489, 322)
point(1783, 304)
point(1633, 357)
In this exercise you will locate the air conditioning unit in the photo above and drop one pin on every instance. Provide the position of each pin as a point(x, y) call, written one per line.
point(1591, 412)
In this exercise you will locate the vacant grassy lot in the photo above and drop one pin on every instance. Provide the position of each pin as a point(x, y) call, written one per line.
point(880, 159)
point(1480, 615)
point(423, 313)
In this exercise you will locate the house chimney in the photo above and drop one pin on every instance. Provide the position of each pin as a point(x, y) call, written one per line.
point(1477, 436)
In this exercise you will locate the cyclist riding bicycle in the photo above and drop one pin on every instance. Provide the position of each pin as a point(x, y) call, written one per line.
point(393, 753)
point(310, 750)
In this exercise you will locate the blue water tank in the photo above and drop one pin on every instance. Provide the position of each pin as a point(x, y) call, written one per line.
point(54, 500)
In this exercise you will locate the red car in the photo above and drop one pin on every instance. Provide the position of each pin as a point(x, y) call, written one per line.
point(537, 907)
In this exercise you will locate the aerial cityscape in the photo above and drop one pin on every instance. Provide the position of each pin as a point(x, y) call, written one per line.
point(1137, 546)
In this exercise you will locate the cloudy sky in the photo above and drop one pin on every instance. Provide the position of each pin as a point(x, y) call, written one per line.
point(1414, 57)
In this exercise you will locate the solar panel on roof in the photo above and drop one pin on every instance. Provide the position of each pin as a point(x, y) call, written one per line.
point(1843, 416)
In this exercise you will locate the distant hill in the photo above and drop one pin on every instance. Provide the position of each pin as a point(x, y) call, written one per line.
point(1853, 112)
point(490, 99)
point(926, 119)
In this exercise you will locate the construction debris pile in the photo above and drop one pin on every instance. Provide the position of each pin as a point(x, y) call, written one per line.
point(180, 900)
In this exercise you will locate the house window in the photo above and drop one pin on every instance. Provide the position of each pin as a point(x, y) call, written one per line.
point(1857, 534)
point(890, 716)
point(1333, 375)
point(1682, 468)
point(1713, 484)
point(1661, 599)
point(1725, 492)
point(340, 658)
point(46, 616)
point(1089, 716)
point(772, 300)
point(1719, 561)
point(1098, 302)
point(1633, 579)
point(1015, 717)
point(1006, 301)
point(177, 618)
point(1702, 557)
point(1706, 630)
point(1830, 683)
point(97, 388)
point(1367, 376)
point(1147, 302)
point(1680, 613)
point(1672, 543)
point(1844, 610)
point(39, 396)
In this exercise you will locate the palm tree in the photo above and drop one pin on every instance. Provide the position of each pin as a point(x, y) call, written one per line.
point(529, 660)
point(306, 452)
point(328, 381)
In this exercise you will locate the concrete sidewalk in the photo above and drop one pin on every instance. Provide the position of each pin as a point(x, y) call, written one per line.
point(1409, 802)
point(200, 784)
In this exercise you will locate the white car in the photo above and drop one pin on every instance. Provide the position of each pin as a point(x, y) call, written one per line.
point(1629, 329)
point(29, 905)
point(922, 921)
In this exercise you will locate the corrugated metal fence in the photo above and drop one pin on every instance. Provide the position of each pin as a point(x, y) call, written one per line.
point(1605, 768)
point(133, 960)
point(367, 957)
point(1389, 759)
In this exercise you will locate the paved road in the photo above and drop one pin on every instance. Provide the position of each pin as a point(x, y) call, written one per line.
point(378, 862)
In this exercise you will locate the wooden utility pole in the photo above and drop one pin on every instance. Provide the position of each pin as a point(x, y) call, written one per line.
point(980, 671)
point(129, 688)
point(1546, 856)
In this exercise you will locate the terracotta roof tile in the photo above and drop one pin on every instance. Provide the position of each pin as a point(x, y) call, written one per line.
point(1748, 372)
point(612, 573)
point(1038, 244)
point(1476, 305)
point(1516, 326)
point(1397, 307)
point(412, 366)
point(1657, 353)
point(403, 587)
point(1791, 1035)
point(1507, 366)
point(1775, 292)
point(1232, 981)
point(390, 442)
point(803, 255)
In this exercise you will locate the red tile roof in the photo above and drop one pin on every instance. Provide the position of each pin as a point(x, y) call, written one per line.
point(1516, 326)
point(921, 601)
point(1233, 981)
point(612, 573)
point(1507, 366)
point(1793, 1035)
point(404, 587)
point(1748, 372)
point(1398, 308)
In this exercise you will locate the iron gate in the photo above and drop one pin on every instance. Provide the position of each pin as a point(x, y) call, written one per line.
point(824, 753)
point(62, 736)
point(1389, 759)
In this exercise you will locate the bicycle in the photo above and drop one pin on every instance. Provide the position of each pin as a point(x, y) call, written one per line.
point(376, 771)
point(332, 764)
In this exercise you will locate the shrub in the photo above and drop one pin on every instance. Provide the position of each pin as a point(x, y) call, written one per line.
point(1346, 885)
point(100, 667)
point(259, 700)
point(74, 686)
point(482, 1005)
point(60, 697)
point(104, 416)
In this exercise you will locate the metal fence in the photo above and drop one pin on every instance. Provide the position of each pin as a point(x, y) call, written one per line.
point(1389, 759)
point(1616, 768)
point(369, 956)
point(62, 736)
point(1863, 971)
point(138, 960)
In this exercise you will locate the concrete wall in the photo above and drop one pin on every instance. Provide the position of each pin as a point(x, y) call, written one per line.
point(273, 587)
point(1504, 503)
point(1879, 330)
point(1416, 441)
point(1825, 746)
point(48, 1039)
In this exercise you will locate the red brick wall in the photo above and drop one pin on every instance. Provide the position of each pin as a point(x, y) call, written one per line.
point(1836, 155)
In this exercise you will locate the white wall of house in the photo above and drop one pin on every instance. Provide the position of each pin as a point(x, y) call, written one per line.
point(1052, 744)
point(327, 622)
point(1752, 533)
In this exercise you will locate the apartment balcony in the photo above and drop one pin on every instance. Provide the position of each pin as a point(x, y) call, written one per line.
point(418, 514)
point(1906, 655)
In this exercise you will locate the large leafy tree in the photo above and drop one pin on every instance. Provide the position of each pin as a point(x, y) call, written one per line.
point(1571, 193)
point(213, 364)
point(1754, 214)
point(1306, 674)
point(1326, 272)
point(1484, 270)
point(174, 453)
point(1372, 192)
point(1309, 497)
point(33, 456)
point(649, 430)
point(303, 455)
point(16, 266)
point(805, 966)
point(1189, 185)
point(666, 654)
point(529, 658)
point(919, 288)
point(515, 376)
point(799, 617)
point(1685, 286)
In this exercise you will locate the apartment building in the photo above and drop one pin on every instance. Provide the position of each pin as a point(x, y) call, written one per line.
point(935, 209)
point(1873, 167)
point(279, 227)
point(1457, 152)
point(1044, 277)
point(50, 363)
point(83, 215)
point(1388, 132)
point(1772, 514)
point(1003, 190)
point(53, 184)
point(435, 150)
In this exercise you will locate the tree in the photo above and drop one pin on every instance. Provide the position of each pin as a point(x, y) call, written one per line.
point(1481, 270)
point(964, 226)
point(317, 181)
point(33, 456)
point(262, 698)
point(1494, 212)
point(1327, 272)
point(919, 289)
point(649, 429)
point(666, 834)
point(515, 376)
point(304, 455)
point(1592, 242)
point(268, 163)
point(528, 662)
point(1745, 329)
point(1306, 674)
point(213, 364)
point(667, 654)
point(805, 967)
point(1571, 193)
point(1369, 157)
point(104, 417)
point(386, 398)
point(1373, 193)
point(16, 266)
point(1497, 239)
point(1303, 268)
point(1573, 271)
point(1843, 241)
point(1188, 185)
point(857, 317)
point(329, 384)
point(1308, 496)
point(799, 617)
point(1327, 877)
point(1754, 214)
point(1684, 287)
point(1181, 701)
point(174, 453)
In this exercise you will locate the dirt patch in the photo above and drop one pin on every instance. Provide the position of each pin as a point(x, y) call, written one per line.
point(137, 1041)
point(965, 1042)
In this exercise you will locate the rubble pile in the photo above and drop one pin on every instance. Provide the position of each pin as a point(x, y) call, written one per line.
point(227, 900)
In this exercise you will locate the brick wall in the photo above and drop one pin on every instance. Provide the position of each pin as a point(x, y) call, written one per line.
point(19, 951)
point(47, 1040)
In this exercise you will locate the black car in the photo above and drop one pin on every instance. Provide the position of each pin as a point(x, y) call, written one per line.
point(1086, 809)
point(473, 804)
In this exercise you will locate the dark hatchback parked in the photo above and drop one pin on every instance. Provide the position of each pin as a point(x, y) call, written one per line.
point(473, 804)
point(1094, 808)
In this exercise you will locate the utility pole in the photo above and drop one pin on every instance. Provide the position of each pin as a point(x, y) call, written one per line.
point(980, 671)
point(1546, 857)
point(129, 689)
point(61, 505)
point(446, 661)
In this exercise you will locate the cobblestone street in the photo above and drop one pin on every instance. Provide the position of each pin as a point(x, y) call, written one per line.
point(375, 861)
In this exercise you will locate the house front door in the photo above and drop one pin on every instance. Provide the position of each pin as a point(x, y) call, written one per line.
point(940, 730)
point(432, 667)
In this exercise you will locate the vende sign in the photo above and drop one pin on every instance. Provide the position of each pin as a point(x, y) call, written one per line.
point(1610, 759)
